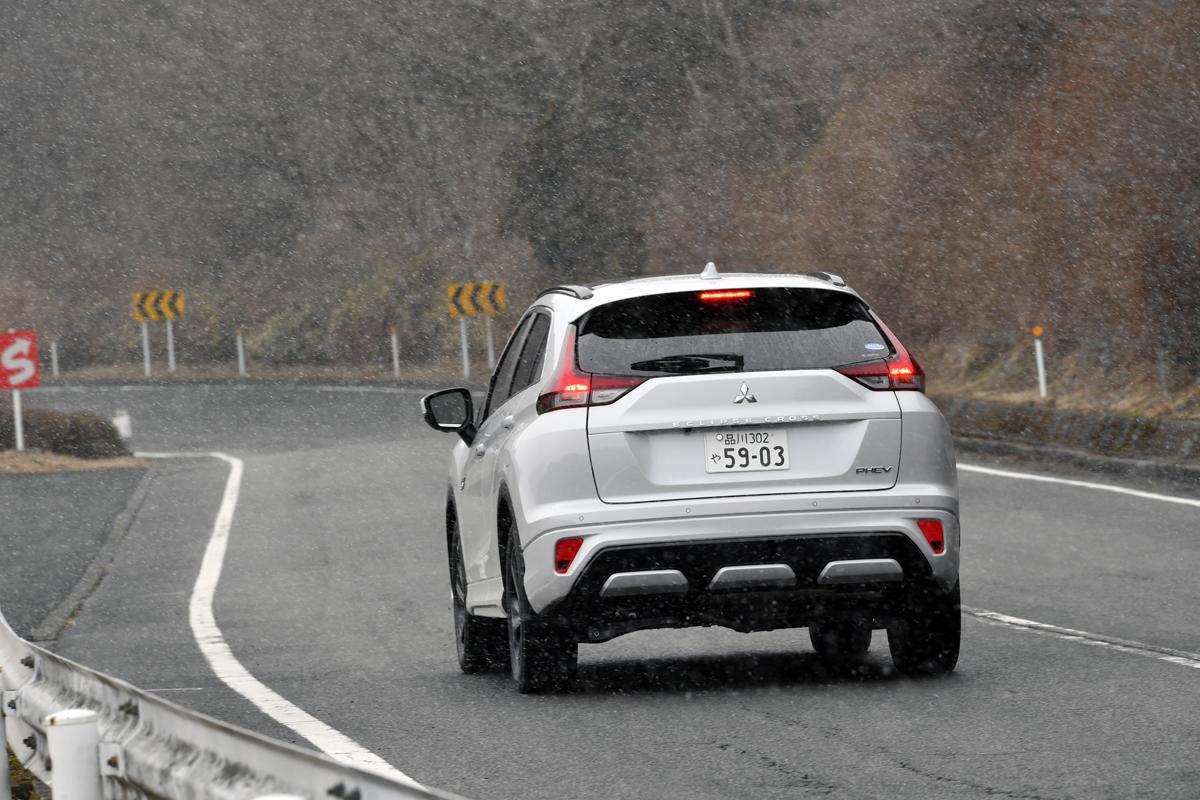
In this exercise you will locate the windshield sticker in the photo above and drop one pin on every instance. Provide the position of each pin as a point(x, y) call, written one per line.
point(874, 346)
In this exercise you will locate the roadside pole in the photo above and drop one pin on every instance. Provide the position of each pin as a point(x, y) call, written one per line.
point(491, 346)
point(146, 348)
point(5, 788)
point(54, 358)
point(18, 421)
point(395, 336)
point(170, 346)
point(241, 353)
point(466, 360)
point(19, 367)
point(1040, 354)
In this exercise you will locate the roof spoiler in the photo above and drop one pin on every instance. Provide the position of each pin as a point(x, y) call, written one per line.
point(578, 292)
point(828, 277)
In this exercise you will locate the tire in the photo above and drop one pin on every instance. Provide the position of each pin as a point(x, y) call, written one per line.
point(924, 637)
point(840, 640)
point(481, 643)
point(542, 657)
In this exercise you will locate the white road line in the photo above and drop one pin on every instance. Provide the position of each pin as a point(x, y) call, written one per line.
point(1101, 487)
point(1170, 655)
point(226, 666)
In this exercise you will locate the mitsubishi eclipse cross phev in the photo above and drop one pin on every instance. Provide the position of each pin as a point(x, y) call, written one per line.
point(747, 450)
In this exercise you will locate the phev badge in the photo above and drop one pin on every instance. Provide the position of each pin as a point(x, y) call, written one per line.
point(744, 396)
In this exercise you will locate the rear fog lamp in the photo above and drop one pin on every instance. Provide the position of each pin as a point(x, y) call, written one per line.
point(565, 551)
point(932, 529)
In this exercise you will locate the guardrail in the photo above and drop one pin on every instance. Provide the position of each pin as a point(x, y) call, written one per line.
point(88, 735)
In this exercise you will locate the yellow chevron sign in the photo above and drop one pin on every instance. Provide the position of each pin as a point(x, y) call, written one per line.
point(167, 305)
point(475, 298)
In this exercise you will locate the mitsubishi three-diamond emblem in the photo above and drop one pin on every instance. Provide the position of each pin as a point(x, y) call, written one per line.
point(744, 396)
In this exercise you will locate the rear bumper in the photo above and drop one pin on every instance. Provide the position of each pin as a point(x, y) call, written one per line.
point(698, 547)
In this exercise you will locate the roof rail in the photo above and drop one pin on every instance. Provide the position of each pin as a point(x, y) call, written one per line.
point(828, 277)
point(578, 292)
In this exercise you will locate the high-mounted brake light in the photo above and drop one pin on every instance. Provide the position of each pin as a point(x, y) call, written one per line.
point(565, 551)
point(570, 388)
point(932, 530)
point(725, 294)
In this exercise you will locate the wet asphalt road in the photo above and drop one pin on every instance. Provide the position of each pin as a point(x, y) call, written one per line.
point(334, 594)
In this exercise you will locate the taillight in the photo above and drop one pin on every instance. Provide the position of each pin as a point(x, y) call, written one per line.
point(570, 388)
point(932, 530)
point(565, 551)
point(899, 372)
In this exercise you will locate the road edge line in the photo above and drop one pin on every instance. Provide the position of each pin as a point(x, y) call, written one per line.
point(1100, 487)
point(225, 664)
point(1170, 655)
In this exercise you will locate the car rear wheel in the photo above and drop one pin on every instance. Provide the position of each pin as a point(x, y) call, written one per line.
point(481, 643)
point(543, 657)
point(840, 640)
point(924, 637)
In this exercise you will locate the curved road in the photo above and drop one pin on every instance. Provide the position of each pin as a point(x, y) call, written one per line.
point(334, 595)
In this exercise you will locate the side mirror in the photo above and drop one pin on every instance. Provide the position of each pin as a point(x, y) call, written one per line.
point(450, 411)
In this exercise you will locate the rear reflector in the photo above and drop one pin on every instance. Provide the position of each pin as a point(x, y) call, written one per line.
point(932, 530)
point(726, 294)
point(565, 551)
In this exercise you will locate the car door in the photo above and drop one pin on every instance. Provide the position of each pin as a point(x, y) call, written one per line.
point(506, 414)
point(476, 511)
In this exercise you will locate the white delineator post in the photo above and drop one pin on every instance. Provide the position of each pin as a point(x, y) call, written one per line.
point(170, 347)
point(491, 345)
point(1040, 354)
point(466, 359)
point(394, 333)
point(241, 353)
point(73, 741)
point(54, 357)
point(146, 348)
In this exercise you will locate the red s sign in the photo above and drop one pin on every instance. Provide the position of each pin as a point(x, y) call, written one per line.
point(19, 360)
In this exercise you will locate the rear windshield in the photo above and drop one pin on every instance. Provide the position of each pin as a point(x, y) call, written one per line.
point(728, 330)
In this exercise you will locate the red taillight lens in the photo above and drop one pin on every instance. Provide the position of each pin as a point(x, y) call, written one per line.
point(726, 294)
point(932, 530)
point(900, 372)
point(570, 388)
point(565, 551)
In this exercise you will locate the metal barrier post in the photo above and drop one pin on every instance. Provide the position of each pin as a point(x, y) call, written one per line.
point(241, 351)
point(466, 360)
point(170, 347)
point(395, 334)
point(54, 357)
point(18, 421)
point(145, 349)
point(491, 345)
point(73, 742)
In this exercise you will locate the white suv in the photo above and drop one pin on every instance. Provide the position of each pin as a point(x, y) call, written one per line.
point(747, 450)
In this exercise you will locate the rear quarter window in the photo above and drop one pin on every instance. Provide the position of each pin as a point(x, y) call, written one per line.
point(765, 329)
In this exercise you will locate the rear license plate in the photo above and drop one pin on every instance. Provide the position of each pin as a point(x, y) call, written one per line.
point(745, 450)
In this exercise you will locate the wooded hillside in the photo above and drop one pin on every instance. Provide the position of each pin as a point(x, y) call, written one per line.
point(315, 172)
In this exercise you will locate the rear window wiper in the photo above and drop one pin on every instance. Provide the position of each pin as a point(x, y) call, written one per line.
point(698, 362)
